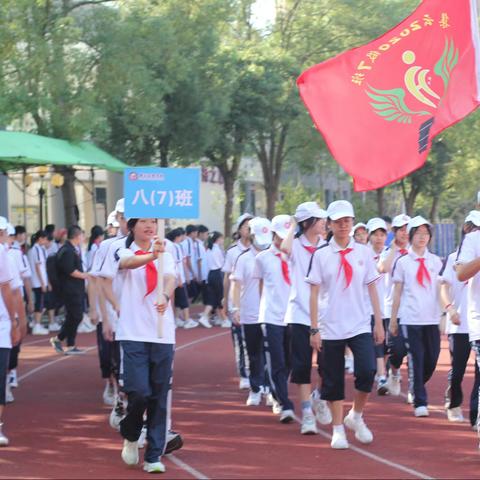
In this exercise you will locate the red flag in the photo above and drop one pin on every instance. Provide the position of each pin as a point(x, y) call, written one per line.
point(379, 105)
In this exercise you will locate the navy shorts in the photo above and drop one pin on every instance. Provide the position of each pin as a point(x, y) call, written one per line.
point(333, 359)
point(4, 361)
point(301, 354)
point(381, 349)
point(181, 297)
point(39, 297)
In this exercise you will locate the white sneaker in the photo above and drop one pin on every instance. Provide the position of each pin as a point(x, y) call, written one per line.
point(89, 326)
point(269, 400)
point(321, 409)
point(117, 414)
point(179, 323)
point(54, 327)
point(9, 398)
point(3, 439)
point(82, 328)
point(410, 398)
point(309, 425)
point(226, 324)
point(12, 378)
point(244, 383)
point(143, 437)
point(349, 364)
point(362, 432)
point(339, 440)
point(155, 467)
point(39, 330)
point(190, 323)
point(394, 384)
point(455, 414)
point(217, 321)
point(254, 399)
point(109, 395)
point(421, 411)
point(382, 387)
point(276, 408)
point(130, 452)
point(287, 416)
point(203, 321)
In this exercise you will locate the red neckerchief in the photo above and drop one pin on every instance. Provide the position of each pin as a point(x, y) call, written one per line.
point(151, 273)
point(285, 272)
point(347, 268)
point(422, 272)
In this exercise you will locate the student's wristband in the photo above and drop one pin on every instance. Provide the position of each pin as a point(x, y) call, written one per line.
point(166, 297)
point(314, 331)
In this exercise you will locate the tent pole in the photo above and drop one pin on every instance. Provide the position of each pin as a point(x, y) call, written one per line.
point(24, 195)
point(94, 197)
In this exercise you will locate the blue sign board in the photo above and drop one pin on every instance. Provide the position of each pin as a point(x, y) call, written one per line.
point(152, 192)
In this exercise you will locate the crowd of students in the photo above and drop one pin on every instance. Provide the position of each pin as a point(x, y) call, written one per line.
point(311, 289)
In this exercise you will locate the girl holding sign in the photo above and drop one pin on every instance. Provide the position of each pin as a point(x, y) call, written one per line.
point(146, 366)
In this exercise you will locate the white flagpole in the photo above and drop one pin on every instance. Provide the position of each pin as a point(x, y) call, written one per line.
point(160, 297)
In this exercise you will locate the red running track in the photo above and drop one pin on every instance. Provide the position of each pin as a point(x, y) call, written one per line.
point(58, 426)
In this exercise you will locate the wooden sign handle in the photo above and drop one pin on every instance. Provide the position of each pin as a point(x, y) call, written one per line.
point(160, 297)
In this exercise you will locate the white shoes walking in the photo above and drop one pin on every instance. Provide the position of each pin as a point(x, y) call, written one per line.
point(357, 424)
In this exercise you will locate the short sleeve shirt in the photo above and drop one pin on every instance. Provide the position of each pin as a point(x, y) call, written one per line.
point(38, 256)
point(343, 310)
point(419, 304)
point(5, 322)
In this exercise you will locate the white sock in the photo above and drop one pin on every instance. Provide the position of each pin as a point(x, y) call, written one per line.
point(307, 411)
point(356, 415)
point(339, 429)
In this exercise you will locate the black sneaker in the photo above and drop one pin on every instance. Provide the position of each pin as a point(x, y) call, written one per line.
point(174, 442)
point(57, 345)
point(74, 351)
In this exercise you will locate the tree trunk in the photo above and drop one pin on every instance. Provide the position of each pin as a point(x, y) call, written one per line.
point(271, 192)
point(69, 198)
point(381, 201)
point(434, 209)
point(164, 153)
point(228, 187)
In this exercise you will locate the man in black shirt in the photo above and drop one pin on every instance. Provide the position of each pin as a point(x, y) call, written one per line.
point(72, 281)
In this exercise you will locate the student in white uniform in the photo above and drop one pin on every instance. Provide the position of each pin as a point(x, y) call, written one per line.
point(468, 269)
point(246, 303)
point(377, 236)
point(190, 251)
point(272, 270)
point(306, 234)
point(395, 345)
point(146, 365)
point(8, 335)
point(339, 272)
point(200, 243)
point(455, 302)
point(360, 233)
point(417, 294)
point(242, 234)
point(215, 258)
point(37, 257)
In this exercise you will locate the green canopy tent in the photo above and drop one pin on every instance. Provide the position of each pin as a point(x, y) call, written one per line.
point(20, 150)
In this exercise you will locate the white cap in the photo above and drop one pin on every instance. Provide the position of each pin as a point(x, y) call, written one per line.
point(10, 229)
point(416, 222)
point(111, 219)
point(242, 218)
point(280, 225)
point(120, 206)
point(359, 225)
point(308, 210)
point(474, 217)
point(400, 220)
point(261, 228)
point(340, 209)
point(3, 223)
point(375, 224)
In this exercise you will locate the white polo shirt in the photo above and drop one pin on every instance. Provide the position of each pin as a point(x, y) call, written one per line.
point(215, 257)
point(298, 308)
point(21, 265)
point(388, 296)
point(202, 255)
point(381, 285)
point(16, 282)
point(190, 250)
point(243, 271)
point(101, 254)
point(38, 256)
point(178, 257)
point(420, 305)
point(275, 292)
point(5, 323)
point(470, 250)
point(459, 295)
point(26, 271)
point(138, 315)
point(231, 256)
point(344, 313)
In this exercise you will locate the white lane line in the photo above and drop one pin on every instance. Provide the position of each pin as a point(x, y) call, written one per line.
point(45, 339)
point(377, 458)
point(48, 364)
point(200, 340)
point(184, 466)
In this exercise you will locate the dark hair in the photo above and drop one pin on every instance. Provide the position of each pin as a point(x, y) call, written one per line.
point(95, 232)
point(130, 225)
point(329, 236)
point(414, 229)
point(191, 229)
point(305, 225)
point(387, 219)
point(50, 228)
point(174, 234)
point(212, 238)
point(468, 227)
point(38, 235)
point(19, 229)
point(50, 237)
point(73, 232)
point(202, 229)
